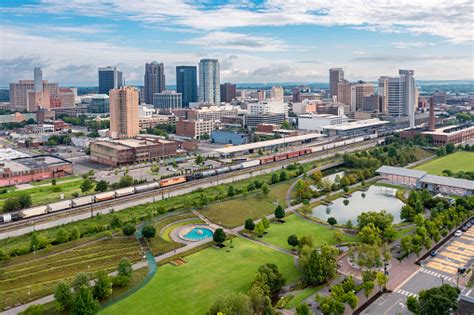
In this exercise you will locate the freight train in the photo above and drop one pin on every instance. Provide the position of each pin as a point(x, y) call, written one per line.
point(122, 192)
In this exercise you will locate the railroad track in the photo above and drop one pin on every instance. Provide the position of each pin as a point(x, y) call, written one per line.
point(163, 192)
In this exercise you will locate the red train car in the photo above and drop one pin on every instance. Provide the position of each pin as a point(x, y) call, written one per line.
point(267, 160)
point(293, 154)
point(308, 151)
point(281, 157)
point(302, 152)
point(172, 181)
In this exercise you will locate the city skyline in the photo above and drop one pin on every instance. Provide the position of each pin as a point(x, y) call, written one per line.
point(266, 41)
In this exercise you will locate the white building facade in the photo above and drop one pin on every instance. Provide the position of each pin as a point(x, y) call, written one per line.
point(209, 81)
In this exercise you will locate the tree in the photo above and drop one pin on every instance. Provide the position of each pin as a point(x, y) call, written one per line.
point(125, 268)
point(348, 284)
point(101, 186)
point(63, 296)
point(249, 224)
point(265, 222)
point(293, 240)
point(413, 305)
point(269, 276)
point(86, 185)
point(349, 224)
point(25, 201)
point(219, 236)
point(203, 200)
point(332, 220)
point(351, 299)
point(115, 222)
point(306, 240)
point(303, 309)
point(407, 213)
point(84, 302)
point(265, 189)
point(405, 244)
point(450, 148)
point(330, 306)
point(231, 191)
point(35, 309)
point(125, 181)
point(149, 231)
point(275, 178)
point(260, 229)
point(382, 279)
point(381, 220)
point(338, 236)
point(250, 186)
point(75, 234)
point(103, 286)
point(81, 280)
point(232, 304)
point(199, 160)
point(368, 287)
point(279, 212)
point(283, 176)
point(128, 229)
point(62, 236)
point(319, 265)
point(435, 301)
point(370, 235)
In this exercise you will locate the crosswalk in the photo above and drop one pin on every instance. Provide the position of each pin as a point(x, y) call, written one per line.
point(435, 274)
point(406, 293)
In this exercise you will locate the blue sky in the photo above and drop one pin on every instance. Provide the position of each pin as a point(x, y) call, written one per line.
point(256, 41)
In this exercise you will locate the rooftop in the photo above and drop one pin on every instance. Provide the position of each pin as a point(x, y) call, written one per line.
point(400, 171)
point(448, 130)
point(33, 162)
point(9, 154)
point(358, 124)
point(269, 143)
point(448, 181)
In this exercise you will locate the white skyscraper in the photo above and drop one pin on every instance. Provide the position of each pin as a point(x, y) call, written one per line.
point(400, 94)
point(38, 74)
point(209, 81)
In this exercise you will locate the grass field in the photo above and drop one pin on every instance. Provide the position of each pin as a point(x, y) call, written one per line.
point(39, 273)
point(278, 233)
point(46, 194)
point(455, 162)
point(233, 212)
point(193, 287)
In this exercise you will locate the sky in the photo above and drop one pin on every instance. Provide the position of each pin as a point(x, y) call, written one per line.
point(255, 41)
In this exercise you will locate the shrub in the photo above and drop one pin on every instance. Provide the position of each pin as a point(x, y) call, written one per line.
point(279, 212)
point(249, 224)
point(332, 220)
point(128, 229)
point(149, 231)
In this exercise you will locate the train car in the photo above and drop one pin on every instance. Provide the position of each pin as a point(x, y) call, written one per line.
point(124, 191)
point(33, 212)
point(208, 173)
point(251, 163)
point(281, 157)
point(373, 136)
point(5, 218)
point(147, 187)
point(105, 196)
point(222, 170)
point(293, 154)
point(61, 205)
point(236, 167)
point(172, 181)
point(267, 160)
point(302, 151)
point(82, 201)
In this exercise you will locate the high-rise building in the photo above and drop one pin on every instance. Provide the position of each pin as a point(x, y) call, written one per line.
point(167, 100)
point(124, 113)
point(362, 89)
point(38, 77)
point(277, 94)
point(382, 91)
point(401, 94)
point(336, 75)
point(346, 94)
point(440, 97)
point(209, 81)
point(186, 84)
point(228, 92)
point(154, 80)
point(109, 78)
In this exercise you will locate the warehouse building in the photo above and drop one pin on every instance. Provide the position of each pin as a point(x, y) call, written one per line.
point(229, 137)
point(28, 169)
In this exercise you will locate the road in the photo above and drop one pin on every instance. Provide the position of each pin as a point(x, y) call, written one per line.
point(93, 210)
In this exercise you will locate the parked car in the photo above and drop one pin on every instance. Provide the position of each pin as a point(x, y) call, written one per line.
point(468, 224)
point(464, 228)
point(458, 233)
point(434, 253)
point(461, 270)
point(472, 221)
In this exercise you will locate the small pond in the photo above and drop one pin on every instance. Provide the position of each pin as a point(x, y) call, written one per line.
point(376, 198)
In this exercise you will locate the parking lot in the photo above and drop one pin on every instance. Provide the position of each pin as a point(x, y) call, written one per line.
point(458, 252)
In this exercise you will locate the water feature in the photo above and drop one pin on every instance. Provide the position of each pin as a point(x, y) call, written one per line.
point(198, 234)
point(376, 198)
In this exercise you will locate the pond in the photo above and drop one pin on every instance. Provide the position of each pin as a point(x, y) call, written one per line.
point(376, 198)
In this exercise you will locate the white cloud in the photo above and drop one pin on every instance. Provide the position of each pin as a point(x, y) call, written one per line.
point(236, 41)
point(406, 45)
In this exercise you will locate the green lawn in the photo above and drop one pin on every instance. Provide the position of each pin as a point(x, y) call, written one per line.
point(278, 233)
point(456, 162)
point(193, 287)
point(58, 180)
point(233, 212)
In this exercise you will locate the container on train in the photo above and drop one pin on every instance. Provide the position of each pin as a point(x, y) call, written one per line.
point(32, 212)
point(105, 196)
point(267, 160)
point(208, 173)
point(172, 181)
point(124, 191)
point(5, 218)
point(293, 154)
point(234, 168)
point(61, 205)
point(147, 187)
point(251, 163)
point(281, 157)
point(222, 170)
point(82, 201)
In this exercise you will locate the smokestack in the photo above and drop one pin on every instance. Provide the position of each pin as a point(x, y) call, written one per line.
point(431, 124)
